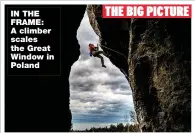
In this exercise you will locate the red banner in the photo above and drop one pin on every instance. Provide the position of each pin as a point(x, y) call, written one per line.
point(147, 11)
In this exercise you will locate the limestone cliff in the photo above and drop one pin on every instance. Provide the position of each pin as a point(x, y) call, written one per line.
point(157, 61)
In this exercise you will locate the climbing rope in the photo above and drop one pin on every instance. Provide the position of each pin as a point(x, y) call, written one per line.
point(120, 54)
point(114, 51)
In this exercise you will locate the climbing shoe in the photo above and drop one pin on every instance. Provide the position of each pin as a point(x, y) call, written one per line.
point(103, 66)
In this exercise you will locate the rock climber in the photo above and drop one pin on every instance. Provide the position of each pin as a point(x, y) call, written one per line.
point(96, 53)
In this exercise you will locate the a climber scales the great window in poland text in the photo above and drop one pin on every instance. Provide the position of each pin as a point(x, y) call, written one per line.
point(33, 42)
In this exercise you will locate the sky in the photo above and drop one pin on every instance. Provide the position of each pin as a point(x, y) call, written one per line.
point(98, 96)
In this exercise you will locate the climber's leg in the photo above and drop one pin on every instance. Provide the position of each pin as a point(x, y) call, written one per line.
point(102, 60)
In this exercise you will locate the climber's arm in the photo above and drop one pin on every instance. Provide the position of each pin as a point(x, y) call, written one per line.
point(98, 47)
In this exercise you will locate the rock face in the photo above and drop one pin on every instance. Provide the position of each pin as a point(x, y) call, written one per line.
point(112, 32)
point(157, 63)
point(41, 104)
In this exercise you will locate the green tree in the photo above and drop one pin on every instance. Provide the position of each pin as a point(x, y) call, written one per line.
point(120, 127)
